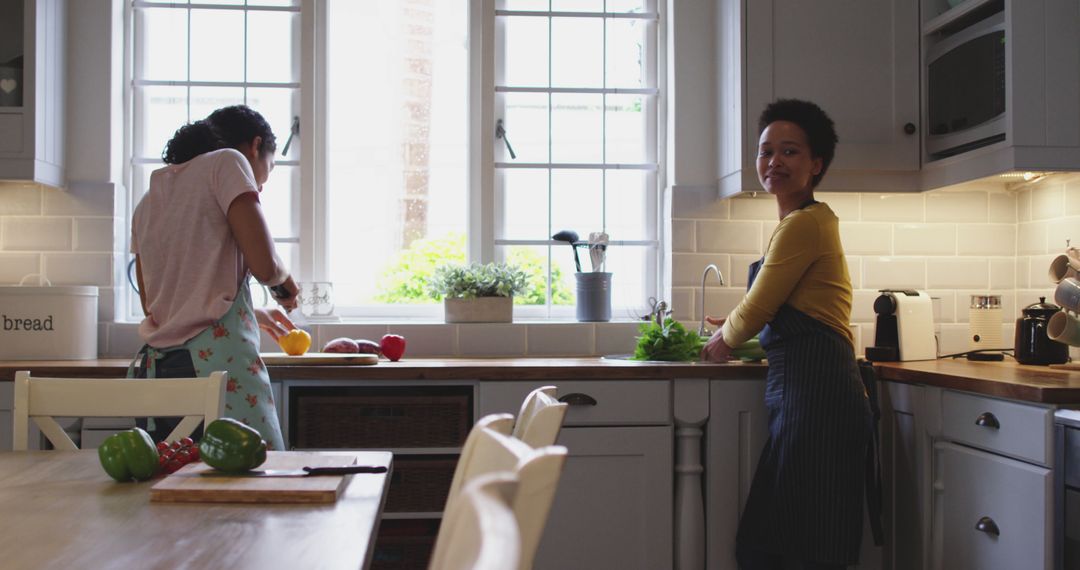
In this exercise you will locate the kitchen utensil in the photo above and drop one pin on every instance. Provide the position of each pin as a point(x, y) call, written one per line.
point(1067, 294)
point(598, 242)
point(904, 328)
point(319, 358)
point(1031, 344)
point(984, 322)
point(302, 472)
point(570, 237)
point(1064, 328)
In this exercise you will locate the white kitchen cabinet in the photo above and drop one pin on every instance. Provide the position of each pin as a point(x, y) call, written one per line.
point(614, 505)
point(858, 60)
point(32, 125)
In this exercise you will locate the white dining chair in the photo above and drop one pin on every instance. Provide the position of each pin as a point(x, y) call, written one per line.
point(480, 532)
point(501, 423)
point(42, 399)
point(540, 418)
point(537, 469)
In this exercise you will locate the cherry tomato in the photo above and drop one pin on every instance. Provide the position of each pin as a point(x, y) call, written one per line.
point(187, 442)
point(162, 446)
point(194, 454)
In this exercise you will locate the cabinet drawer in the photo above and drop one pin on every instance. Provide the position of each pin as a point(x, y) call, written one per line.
point(645, 402)
point(7, 395)
point(1018, 430)
point(1006, 496)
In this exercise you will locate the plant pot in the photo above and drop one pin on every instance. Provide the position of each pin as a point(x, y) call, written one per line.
point(479, 310)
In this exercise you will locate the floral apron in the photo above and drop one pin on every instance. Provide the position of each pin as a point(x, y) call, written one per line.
point(231, 344)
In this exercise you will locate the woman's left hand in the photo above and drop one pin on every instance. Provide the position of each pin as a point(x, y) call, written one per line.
point(274, 321)
point(716, 350)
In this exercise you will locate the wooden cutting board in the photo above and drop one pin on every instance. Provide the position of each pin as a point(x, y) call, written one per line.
point(188, 486)
point(317, 358)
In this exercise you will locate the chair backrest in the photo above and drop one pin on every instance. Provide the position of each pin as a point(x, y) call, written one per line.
point(540, 418)
point(537, 469)
point(196, 399)
point(501, 423)
point(480, 532)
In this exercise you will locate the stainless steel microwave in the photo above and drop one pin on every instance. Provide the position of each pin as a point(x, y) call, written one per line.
point(965, 95)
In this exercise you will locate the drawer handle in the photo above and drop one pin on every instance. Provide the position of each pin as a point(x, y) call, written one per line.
point(987, 525)
point(986, 419)
point(578, 399)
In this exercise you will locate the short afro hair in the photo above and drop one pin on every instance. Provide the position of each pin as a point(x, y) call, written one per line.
point(819, 128)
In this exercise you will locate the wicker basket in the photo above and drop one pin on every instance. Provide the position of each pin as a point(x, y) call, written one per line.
point(420, 485)
point(380, 422)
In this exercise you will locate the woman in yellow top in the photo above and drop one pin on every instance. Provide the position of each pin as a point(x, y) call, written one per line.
point(806, 500)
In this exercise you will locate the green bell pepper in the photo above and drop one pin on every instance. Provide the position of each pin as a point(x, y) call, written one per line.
point(229, 445)
point(129, 455)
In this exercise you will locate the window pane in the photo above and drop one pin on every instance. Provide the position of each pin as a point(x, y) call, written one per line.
point(163, 110)
point(627, 204)
point(524, 41)
point(277, 198)
point(534, 261)
point(636, 6)
point(274, 2)
point(626, 129)
point(577, 52)
point(271, 37)
point(577, 129)
point(217, 54)
point(397, 144)
point(522, 5)
point(626, 53)
point(163, 34)
point(524, 198)
point(525, 118)
point(577, 5)
point(630, 274)
point(577, 201)
point(278, 106)
point(205, 100)
point(140, 181)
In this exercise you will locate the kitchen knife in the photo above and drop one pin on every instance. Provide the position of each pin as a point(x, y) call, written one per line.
point(304, 472)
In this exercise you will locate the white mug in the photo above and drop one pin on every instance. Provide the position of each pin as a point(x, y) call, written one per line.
point(1064, 328)
point(1067, 294)
point(1064, 266)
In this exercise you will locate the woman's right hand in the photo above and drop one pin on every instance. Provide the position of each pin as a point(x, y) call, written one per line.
point(716, 350)
point(274, 321)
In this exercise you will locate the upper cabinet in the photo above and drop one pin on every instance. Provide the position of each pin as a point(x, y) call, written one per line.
point(32, 91)
point(858, 60)
point(1001, 88)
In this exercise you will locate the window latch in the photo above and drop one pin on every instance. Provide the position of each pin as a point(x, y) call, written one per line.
point(294, 131)
point(500, 133)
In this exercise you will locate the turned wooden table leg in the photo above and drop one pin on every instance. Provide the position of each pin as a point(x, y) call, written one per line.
point(691, 412)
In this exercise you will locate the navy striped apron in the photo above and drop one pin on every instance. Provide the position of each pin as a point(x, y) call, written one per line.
point(806, 499)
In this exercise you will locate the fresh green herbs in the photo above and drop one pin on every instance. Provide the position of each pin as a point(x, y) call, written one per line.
point(671, 342)
point(476, 280)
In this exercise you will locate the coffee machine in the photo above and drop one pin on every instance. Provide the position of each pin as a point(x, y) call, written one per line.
point(904, 327)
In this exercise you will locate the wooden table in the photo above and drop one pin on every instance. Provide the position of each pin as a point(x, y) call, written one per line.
point(58, 509)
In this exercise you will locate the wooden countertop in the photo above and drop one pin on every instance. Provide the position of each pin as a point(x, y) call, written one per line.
point(435, 369)
point(1005, 379)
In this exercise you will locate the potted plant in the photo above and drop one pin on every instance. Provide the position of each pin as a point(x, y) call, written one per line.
point(477, 293)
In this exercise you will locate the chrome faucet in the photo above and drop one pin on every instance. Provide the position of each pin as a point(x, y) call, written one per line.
point(701, 330)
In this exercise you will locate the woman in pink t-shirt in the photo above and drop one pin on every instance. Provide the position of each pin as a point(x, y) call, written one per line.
point(197, 234)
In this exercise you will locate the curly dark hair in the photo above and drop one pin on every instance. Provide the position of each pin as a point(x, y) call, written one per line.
point(228, 127)
point(819, 128)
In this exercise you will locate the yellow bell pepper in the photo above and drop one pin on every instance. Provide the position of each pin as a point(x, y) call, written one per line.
point(295, 343)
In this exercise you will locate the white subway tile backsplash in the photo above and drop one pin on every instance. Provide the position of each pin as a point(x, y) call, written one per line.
point(682, 236)
point(681, 303)
point(80, 199)
point(986, 239)
point(575, 339)
point(762, 207)
point(957, 207)
point(952, 339)
point(1002, 207)
point(36, 234)
point(844, 204)
point(854, 265)
point(957, 273)
point(944, 303)
point(1061, 231)
point(106, 304)
point(1072, 197)
point(924, 239)
point(892, 208)
point(1047, 201)
point(1023, 206)
point(719, 301)
point(78, 268)
point(767, 229)
point(491, 340)
point(698, 204)
point(15, 266)
point(1003, 273)
point(862, 305)
point(423, 341)
point(687, 268)
point(616, 338)
point(740, 270)
point(894, 273)
point(20, 199)
point(1031, 238)
point(93, 234)
point(324, 333)
point(866, 239)
point(1038, 272)
point(729, 237)
point(124, 340)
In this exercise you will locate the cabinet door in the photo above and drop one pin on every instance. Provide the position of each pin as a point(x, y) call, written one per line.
point(857, 60)
point(901, 476)
point(613, 508)
point(995, 512)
